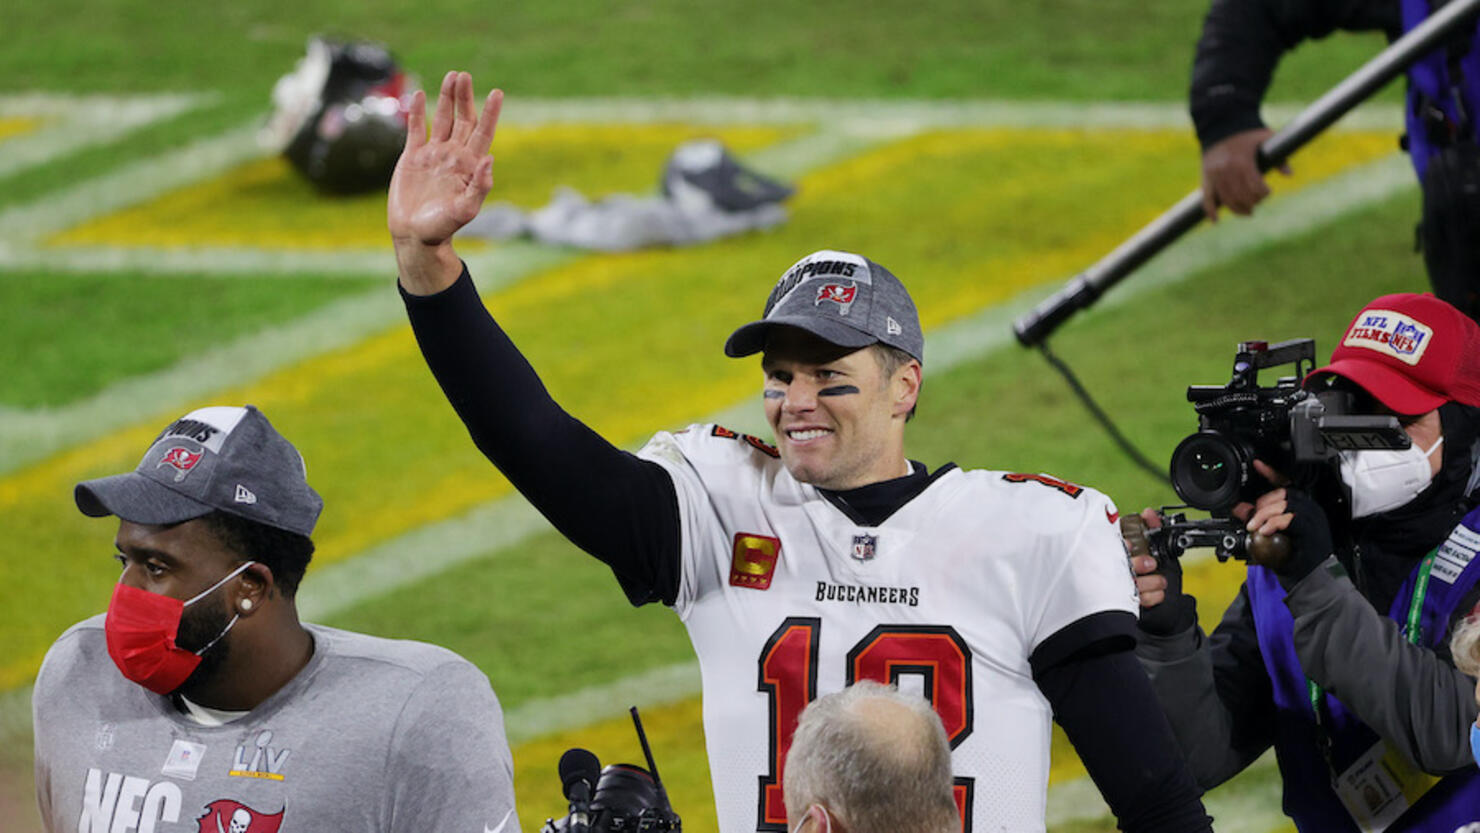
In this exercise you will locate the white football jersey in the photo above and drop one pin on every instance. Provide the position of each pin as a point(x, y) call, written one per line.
point(786, 598)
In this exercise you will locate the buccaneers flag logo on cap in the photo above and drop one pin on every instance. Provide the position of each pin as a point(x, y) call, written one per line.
point(837, 293)
point(182, 459)
point(226, 816)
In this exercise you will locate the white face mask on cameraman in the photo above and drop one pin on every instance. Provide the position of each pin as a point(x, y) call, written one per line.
point(1383, 480)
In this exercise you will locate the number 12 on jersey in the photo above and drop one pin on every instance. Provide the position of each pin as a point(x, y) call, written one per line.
point(788, 676)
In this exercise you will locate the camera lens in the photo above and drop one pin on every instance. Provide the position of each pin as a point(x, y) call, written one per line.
point(1208, 470)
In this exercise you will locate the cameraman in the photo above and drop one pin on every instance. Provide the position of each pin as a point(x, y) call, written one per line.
point(1336, 655)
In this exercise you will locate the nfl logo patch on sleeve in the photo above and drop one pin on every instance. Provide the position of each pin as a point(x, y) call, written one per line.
point(754, 560)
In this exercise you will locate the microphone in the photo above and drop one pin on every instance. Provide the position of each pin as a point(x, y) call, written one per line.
point(579, 771)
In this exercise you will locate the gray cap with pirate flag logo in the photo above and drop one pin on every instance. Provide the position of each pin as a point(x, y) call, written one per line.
point(840, 297)
point(225, 458)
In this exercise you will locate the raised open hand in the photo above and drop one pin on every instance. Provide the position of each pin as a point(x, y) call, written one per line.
point(440, 181)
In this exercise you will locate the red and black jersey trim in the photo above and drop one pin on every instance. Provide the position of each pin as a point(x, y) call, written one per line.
point(754, 442)
point(1073, 490)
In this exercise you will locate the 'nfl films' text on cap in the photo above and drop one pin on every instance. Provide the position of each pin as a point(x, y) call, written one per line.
point(225, 458)
point(840, 297)
point(1413, 352)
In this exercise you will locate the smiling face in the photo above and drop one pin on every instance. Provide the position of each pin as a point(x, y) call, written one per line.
point(838, 418)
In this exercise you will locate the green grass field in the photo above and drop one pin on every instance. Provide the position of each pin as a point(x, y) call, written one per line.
point(265, 293)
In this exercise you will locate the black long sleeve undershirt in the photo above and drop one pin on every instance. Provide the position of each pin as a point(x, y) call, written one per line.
point(624, 511)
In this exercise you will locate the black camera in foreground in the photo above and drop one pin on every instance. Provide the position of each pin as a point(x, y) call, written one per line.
point(1295, 431)
point(618, 798)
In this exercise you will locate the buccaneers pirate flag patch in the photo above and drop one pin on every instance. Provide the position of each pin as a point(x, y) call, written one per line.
point(226, 816)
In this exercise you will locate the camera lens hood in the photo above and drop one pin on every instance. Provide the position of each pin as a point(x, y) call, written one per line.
point(1209, 470)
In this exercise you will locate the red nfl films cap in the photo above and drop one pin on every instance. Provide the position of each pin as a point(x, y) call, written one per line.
point(1413, 352)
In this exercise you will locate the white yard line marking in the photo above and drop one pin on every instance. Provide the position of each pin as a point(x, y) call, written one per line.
point(22, 226)
point(886, 113)
point(76, 121)
point(1278, 219)
point(418, 554)
point(844, 127)
point(31, 435)
point(19, 248)
point(653, 688)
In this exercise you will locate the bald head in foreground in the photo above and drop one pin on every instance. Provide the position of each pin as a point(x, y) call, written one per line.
point(870, 759)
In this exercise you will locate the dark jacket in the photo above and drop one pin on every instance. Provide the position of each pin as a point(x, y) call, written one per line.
point(1242, 42)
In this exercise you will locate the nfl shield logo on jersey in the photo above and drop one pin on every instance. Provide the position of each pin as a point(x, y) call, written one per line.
point(864, 547)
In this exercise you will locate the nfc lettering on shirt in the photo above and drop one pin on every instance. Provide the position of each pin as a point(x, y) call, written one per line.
point(1391, 334)
point(116, 802)
point(1455, 554)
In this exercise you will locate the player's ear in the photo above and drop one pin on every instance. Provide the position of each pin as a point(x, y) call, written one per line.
point(253, 591)
point(905, 386)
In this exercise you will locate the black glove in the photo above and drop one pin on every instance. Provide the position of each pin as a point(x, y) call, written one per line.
point(1310, 538)
point(1177, 612)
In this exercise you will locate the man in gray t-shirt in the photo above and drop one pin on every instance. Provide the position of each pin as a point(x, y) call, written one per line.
point(199, 703)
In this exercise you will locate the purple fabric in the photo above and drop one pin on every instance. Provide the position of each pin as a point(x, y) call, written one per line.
point(1429, 79)
point(1308, 797)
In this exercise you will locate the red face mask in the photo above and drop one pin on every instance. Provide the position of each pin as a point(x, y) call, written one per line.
point(141, 629)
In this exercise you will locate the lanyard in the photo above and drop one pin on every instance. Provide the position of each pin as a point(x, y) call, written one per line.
point(1412, 631)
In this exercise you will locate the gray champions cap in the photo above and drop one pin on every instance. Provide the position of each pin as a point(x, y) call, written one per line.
point(841, 297)
point(224, 458)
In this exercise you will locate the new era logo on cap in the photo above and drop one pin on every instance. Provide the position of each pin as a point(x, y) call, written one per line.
point(1390, 333)
point(244, 495)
